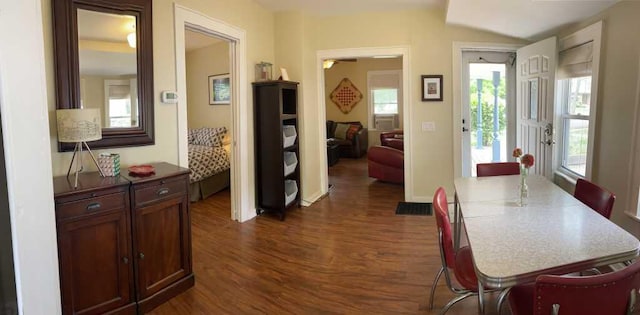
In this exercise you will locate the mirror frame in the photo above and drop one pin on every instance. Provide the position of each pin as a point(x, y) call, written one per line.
point(65, 35)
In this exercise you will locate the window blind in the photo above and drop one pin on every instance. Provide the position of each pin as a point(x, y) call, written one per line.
point(576, 61)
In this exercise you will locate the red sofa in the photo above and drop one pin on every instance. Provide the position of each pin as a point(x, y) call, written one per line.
point(393, 139)
point(386, 164)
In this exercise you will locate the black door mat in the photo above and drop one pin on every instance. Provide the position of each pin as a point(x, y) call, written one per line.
point(414, 208)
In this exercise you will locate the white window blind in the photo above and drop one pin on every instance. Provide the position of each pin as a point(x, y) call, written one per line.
point(576, 61)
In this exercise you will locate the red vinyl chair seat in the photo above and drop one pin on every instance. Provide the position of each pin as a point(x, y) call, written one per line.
point(497, 169)
point(464, 271)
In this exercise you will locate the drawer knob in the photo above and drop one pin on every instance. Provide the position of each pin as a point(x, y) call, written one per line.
point(163, 191)
point(94, 206)
point(141, 255)
point(125, 260)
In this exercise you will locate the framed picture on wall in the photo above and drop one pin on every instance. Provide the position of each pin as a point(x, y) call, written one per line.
point(219, 89)
point(432, 88)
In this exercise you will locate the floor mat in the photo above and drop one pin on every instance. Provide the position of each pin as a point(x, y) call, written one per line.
point(414, 208)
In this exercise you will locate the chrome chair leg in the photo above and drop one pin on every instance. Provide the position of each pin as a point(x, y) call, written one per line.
point(501, 298)
point(480, 298)
point(433, 287)
point(454, 301)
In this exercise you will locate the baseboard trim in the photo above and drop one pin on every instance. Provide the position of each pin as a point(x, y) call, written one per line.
point(313, 198)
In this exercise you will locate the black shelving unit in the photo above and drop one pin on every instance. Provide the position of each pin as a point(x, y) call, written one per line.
point(275, 114)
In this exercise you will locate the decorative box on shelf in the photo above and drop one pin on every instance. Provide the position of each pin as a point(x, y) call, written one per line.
point(109, 163)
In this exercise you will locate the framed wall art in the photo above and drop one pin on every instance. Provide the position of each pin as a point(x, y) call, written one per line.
point(219, 89)
point(432, 88)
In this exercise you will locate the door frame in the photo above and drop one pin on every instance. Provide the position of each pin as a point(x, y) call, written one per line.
point(458, 48)
point(242, 207)
point(365, 52)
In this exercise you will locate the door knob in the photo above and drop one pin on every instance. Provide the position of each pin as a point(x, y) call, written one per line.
point(465, 129)
point(548, 142)
point(141, 255)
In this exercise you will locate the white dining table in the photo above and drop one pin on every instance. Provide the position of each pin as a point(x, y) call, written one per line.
point(554, 233)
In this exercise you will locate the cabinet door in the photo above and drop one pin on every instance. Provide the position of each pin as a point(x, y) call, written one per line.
point(162, 244)
point(95, 268)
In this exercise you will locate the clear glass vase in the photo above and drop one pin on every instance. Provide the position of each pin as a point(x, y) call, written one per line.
point(524, 189)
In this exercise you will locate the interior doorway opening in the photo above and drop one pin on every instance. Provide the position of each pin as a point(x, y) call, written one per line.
point(242, 202)
point(404, 108)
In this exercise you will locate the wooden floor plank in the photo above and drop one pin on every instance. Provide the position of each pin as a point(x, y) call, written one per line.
point(348, 253)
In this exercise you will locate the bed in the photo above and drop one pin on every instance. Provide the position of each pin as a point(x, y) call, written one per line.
point(208, 162)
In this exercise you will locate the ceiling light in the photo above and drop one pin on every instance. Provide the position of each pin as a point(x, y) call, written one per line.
point(131, 38)
point(327, 64)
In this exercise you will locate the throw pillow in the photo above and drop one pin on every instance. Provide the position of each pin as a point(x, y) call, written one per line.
point(352, 131)
point(211, 137)
point(341, 131)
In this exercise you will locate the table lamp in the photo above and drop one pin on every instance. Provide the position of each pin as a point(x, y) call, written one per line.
point(79, 126)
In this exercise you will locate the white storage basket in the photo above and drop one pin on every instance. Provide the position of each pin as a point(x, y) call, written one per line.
point(289, 135)
point(290, 191)
point(290, 162)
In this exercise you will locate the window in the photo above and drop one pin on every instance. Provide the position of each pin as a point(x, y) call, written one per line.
point(385, 101)
point(576, 104)
point(384, 98)
point(577, 81)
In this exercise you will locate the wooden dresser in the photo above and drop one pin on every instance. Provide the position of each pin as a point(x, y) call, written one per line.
point(124, 243)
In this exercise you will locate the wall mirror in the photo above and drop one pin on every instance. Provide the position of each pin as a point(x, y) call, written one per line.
point(104, 59)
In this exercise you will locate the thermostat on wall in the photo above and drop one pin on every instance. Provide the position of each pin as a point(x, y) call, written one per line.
point(169, 97)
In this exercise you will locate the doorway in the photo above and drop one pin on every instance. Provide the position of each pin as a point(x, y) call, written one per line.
point(242, 203)
point(354, 53)
point(488, 108)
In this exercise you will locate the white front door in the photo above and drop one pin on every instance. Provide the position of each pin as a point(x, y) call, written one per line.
point(536, 68)
point(488, 108)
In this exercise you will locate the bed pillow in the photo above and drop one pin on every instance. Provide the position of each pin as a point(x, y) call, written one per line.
point(211, 137)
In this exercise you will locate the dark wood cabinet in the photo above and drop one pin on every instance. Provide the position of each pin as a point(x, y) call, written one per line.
point(124, 243)
point(276, 146)
point(162, 234)
point(94, 245)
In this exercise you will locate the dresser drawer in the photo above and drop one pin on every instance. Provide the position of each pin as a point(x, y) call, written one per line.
point(92, 205)
point(160, 190)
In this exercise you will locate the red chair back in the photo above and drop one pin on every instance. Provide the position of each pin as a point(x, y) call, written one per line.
point(594, 196)
point(602, 294)
point(497, 169)
point(442, 218)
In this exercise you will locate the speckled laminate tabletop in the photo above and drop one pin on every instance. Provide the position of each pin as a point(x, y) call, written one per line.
point(553, 233)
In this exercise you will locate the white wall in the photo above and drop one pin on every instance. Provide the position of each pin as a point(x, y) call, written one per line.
point(25, 126)
point(245, 14)
point(617, 102)
point(430, 41)
point(202, 63)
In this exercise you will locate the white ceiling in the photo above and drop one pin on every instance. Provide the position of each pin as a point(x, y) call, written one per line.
point(528, 19)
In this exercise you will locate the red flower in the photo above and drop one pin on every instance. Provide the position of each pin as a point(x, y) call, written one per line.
point(517, 152)
point(527, 160)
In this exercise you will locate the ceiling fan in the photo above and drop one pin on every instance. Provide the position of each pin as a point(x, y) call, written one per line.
point(327, 64)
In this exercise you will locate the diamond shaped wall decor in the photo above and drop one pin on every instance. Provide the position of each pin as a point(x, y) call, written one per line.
point(346, 96)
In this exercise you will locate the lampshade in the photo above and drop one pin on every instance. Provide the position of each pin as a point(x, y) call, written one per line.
point(79, 125)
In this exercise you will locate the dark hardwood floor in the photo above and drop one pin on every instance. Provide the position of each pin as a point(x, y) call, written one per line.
point(348, 253)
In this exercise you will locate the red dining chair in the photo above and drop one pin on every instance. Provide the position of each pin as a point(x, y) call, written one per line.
point(459, 262)
point(497, 169)
point(594, 196)
point(611, 293)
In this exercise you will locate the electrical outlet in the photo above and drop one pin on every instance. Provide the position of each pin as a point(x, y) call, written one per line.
point(428, 126)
